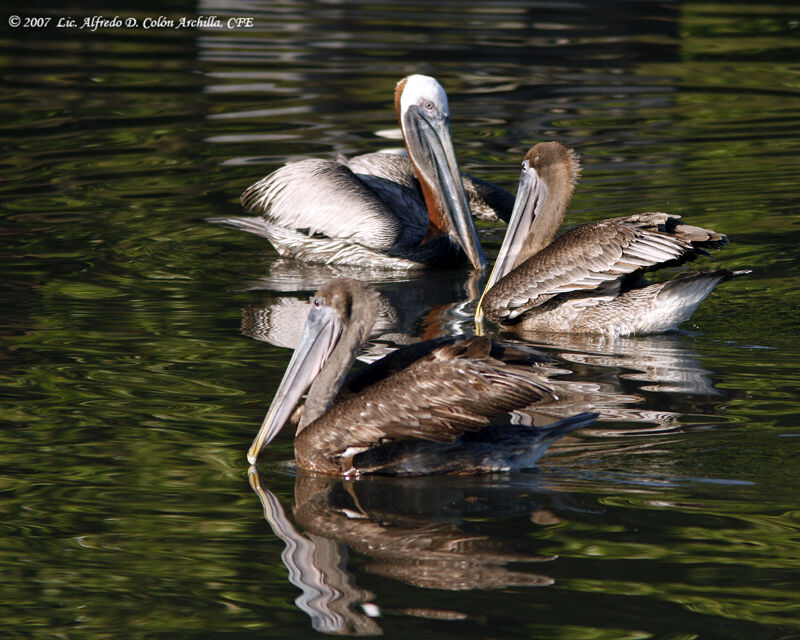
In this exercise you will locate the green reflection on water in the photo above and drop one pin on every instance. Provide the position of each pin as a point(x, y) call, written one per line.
point(726, 557)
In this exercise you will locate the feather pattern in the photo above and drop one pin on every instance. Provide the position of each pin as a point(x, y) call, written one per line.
point(652, 308)
point(595, 257)
point(313, 194)
point(422, 409)
point(591, 278)
point(393, 204)
point(372, 200)
point(457, 387)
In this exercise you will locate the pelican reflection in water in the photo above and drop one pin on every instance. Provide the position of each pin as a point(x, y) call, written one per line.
point(424, 408)
point(591, 279)
point(420, 533)
point(380, 210)
point(413, 306)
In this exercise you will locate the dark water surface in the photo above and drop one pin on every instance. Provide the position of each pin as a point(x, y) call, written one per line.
point(141, 346)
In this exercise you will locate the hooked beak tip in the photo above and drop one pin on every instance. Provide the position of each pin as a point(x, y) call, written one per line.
point(479, 318)
point(252, 456)
point(476, 258)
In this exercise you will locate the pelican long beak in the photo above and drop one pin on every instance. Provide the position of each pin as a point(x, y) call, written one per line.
point(430, 145)
point(531, 194)
point(320, 335)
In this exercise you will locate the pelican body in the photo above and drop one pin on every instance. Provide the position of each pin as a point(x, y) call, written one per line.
point(422, 409)
point(380, 209)
point(591, 278)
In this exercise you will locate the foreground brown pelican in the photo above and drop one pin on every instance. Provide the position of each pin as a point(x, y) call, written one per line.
point(590, 280)
point(409, 412)
point(380, 209)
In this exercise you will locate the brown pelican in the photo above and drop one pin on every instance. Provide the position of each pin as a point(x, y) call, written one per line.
point(590, 280)
point(379, 209)
point(407, 413)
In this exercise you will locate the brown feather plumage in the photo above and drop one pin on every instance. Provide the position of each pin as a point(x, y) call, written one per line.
point(555, 282)
point(457, 387)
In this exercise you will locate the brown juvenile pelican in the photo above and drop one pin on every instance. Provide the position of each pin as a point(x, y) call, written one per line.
point(379, 209)
point(590, 280)
point(407, 413)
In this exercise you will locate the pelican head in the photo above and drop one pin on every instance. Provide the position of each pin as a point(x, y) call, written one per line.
point(340, 308)
point(424, 115)
point(546, 163)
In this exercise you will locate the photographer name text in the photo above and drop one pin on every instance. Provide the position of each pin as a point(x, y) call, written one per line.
point(93, 23)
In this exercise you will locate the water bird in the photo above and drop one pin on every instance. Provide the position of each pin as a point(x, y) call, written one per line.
point(591, 278)
point(424, 408)
point(386, 210)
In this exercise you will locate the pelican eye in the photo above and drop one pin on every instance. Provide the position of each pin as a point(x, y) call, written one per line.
point(428, 105)
point(318, 302)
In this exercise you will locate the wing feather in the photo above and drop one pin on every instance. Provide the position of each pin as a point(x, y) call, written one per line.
point(597, 256)
point(373, 200)
point(457, 387)
point(327, 198)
